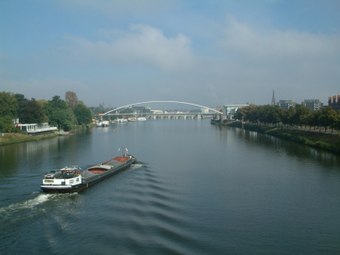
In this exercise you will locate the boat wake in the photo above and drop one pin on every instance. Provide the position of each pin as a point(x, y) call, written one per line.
point(26, 210)
point(136, 165)
point(23, 205)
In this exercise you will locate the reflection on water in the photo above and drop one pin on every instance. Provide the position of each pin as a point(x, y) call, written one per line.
point(12, 156)
point(8, 159)
point(290, 148)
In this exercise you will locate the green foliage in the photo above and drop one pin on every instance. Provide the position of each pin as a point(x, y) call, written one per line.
point(8, 104)
point(8, 111)
point(264, 113)
point(298, 115)
point(83, 114)
point(56, 103)
point(59, 114)
point(32, 112)
point(328, 117)
point(22, 102)
point(6, 124)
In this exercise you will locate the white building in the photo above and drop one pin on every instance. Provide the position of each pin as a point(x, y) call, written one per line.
point(34, 128)
point(229, 110)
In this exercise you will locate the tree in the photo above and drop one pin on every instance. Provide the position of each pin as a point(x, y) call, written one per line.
point(328, 118)
point(71, 99)
point(83, 114)
point(60, 114)
point(337, 123)
point(6, 124)
point(8, 111)
point(288, 116)
point(64, 119)
point(33, 112)
point(269, 114)
point(8, 105)
point(314, 118)
point(248, 113)
point(300, 115)
point(22, 102)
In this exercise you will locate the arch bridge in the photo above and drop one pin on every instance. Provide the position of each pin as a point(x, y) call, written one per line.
point(208, 113)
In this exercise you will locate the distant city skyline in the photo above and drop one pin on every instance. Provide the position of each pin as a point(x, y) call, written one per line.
point(204, 52)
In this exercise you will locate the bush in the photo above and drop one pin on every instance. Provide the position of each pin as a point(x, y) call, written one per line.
point(6, 124)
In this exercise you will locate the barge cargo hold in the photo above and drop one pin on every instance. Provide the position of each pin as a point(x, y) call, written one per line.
point(72, 179)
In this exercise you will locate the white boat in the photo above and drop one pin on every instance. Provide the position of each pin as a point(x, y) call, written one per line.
point(104, 123)
point(141, 119)
point(132, 119)
point(121, 120)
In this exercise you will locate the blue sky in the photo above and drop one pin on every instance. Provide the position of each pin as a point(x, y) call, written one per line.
point(205, 52)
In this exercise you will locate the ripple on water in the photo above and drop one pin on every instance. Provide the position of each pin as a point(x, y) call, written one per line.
point(146, 213)
point(133, 212)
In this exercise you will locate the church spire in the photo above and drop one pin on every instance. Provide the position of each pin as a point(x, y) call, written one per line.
point(273, 98)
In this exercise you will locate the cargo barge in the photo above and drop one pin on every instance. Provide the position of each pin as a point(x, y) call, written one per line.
point(73, 179)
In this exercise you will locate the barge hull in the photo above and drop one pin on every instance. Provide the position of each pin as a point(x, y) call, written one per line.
point(66, 189)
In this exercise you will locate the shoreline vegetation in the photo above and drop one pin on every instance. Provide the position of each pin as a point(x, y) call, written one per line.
point(328, 141)
point(20, 137)
point(69, 116)
point(65, 114)
point(315, 128)
point(12, 138)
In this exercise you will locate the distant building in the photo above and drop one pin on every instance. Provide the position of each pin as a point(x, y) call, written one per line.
point(286, 104)
point(157, 111)
point(312, 104)
point(230, 110)
point(334, 102)
point(205, 110)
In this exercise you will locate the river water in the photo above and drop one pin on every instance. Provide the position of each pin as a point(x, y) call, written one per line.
point(197, 189)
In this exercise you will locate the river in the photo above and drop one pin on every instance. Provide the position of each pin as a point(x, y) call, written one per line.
point(197, 189)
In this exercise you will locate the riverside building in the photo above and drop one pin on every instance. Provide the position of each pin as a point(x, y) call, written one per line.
point(312, 104)
point(286, 104)
point(334, 102)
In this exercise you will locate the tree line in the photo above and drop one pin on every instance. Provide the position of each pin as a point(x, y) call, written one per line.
point(64, 114)
point(298, 115)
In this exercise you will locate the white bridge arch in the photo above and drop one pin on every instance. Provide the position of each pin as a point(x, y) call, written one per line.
point(162, 101)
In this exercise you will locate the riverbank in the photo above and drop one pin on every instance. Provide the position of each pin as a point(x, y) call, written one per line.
point(328, 142)
point(10, 138)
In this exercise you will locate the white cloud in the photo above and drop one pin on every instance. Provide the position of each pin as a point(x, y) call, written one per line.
point(142, 44)
point(289, 61)
point(278, 45)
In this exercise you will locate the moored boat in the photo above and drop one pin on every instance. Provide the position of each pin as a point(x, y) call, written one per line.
point(73, 179)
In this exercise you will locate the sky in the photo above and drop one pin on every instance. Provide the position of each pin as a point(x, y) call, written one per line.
point(212, 52)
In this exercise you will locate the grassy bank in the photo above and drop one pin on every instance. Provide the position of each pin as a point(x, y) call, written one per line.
point(10, 138)
point(328, 142)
